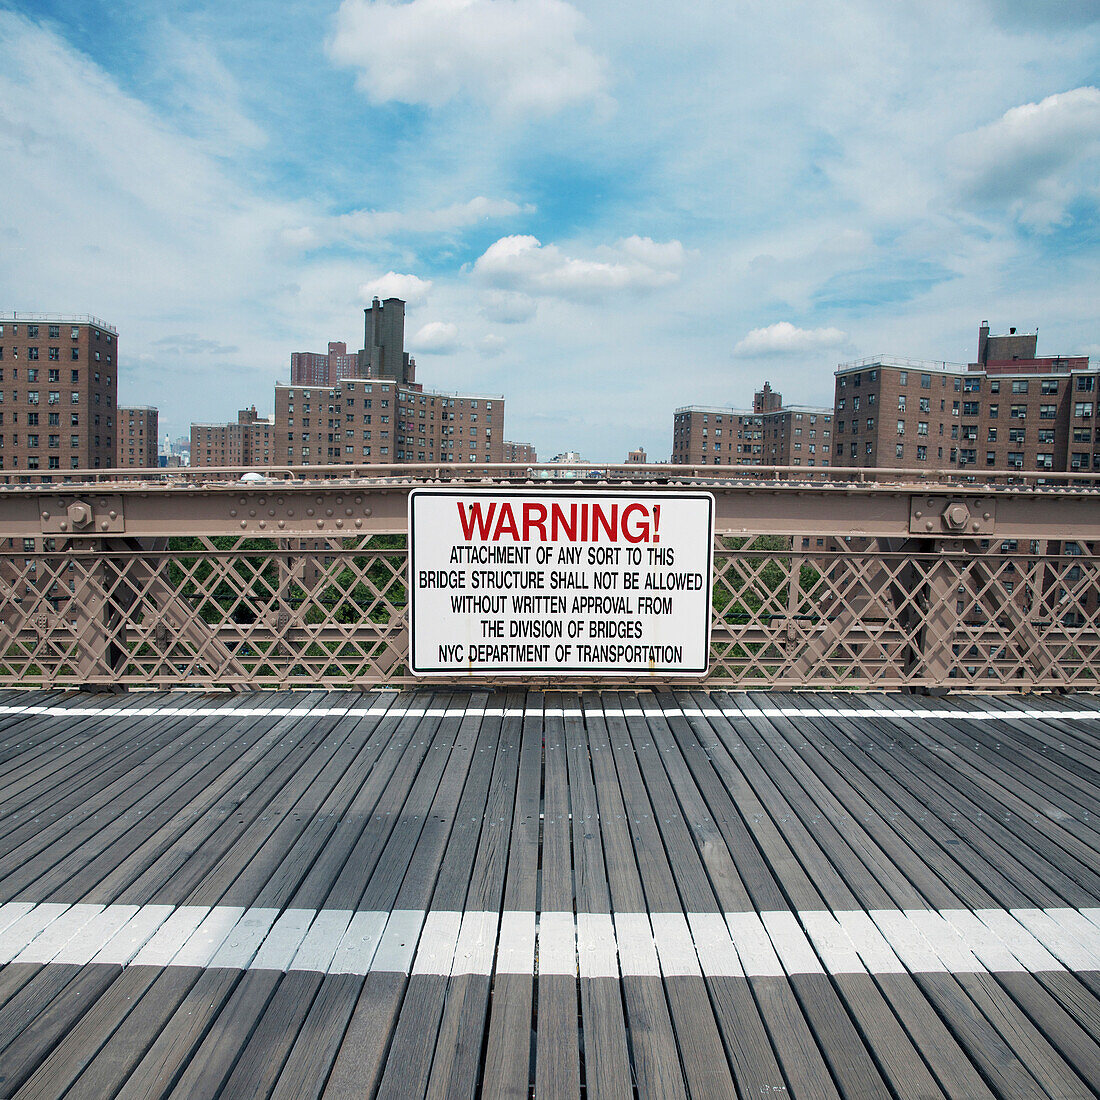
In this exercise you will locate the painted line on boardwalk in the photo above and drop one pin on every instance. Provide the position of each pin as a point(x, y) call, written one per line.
point(231, 714)
point(591, 945)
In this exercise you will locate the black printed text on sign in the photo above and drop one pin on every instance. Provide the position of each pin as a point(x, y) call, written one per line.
point(508, 582)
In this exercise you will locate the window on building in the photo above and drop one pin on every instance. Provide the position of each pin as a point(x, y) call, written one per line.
point(1083, 410)
point(926, 381)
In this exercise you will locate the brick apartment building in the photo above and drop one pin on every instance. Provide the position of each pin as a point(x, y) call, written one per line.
point(138, 428)
point(1007, 410)
point(772, 434)
point(248, 442)
point(383, 353)
point(314, 368)
point(58, 384)
point(378, 421)
point(379, 414)
point(519, 453)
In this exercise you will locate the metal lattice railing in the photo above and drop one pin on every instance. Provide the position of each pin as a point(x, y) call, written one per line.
point(822, 587)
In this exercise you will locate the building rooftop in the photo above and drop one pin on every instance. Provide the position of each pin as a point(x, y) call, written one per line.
point(58, 318)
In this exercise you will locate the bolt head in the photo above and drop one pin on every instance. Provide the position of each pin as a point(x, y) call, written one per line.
point(80, 515)
point(956, 516)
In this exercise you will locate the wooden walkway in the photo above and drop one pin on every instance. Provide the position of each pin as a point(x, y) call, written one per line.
point(609, 894)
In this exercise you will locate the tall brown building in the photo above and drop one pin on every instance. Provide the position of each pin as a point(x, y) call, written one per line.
point(313, 368)
point(138, 426)
point(1008, 410)
point(519, 452)
point(378, 414)
point(772, 434)
point(375, 421)
point(248, 442)
point(58, 382)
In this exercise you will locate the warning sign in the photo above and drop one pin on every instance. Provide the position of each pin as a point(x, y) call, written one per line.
point(509, 582)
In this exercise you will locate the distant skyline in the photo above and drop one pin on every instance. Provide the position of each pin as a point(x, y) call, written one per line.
point(600, 212)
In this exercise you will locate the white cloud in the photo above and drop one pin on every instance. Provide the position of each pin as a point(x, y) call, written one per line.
point(1031, 158)
point(520, 56)
point(369, 227)
point(524, 264)
point(506, 307)
point(783, 337)
point(491, 345)
point(439, 337)
point(409, 288)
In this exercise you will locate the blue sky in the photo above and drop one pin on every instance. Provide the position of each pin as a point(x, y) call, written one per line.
point(601, 211)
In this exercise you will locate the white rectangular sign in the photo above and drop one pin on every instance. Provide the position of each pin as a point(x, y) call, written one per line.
point(506, 582)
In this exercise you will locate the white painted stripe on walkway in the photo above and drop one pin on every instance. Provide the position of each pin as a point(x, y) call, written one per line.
point(714, 946)
point(477, 943)
point(596, 946)
point(637, 951)
point(357, 945)
point(438, 939)
point(281, 945)
point(832, 943)
point(754, 946)
point(557, 943)
point(593, 945)
point(21, 933)
point(171, 936)
point(231, 714)
point(516, 953)
point(96, 934)
point(53, 938)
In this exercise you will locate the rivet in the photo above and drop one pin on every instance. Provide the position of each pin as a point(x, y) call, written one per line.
point(232, 513)
point(45, 515)
point(358, 523)
point(271, 512)
point(113, 514)
point(918, 514)
point(928, 525)
point(252, 512)
point(339, 523)
point(309, 511)
point(282, 523)
point(263, 523)
point(104, 525)
point(320, 523)
point(328, 511)
point(347, 511)
point(366, 511)
point(244, 523)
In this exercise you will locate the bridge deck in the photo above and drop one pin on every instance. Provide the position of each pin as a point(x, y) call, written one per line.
point(684, 894)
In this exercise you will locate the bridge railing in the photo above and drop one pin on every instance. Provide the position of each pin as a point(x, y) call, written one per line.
point(300, 580)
